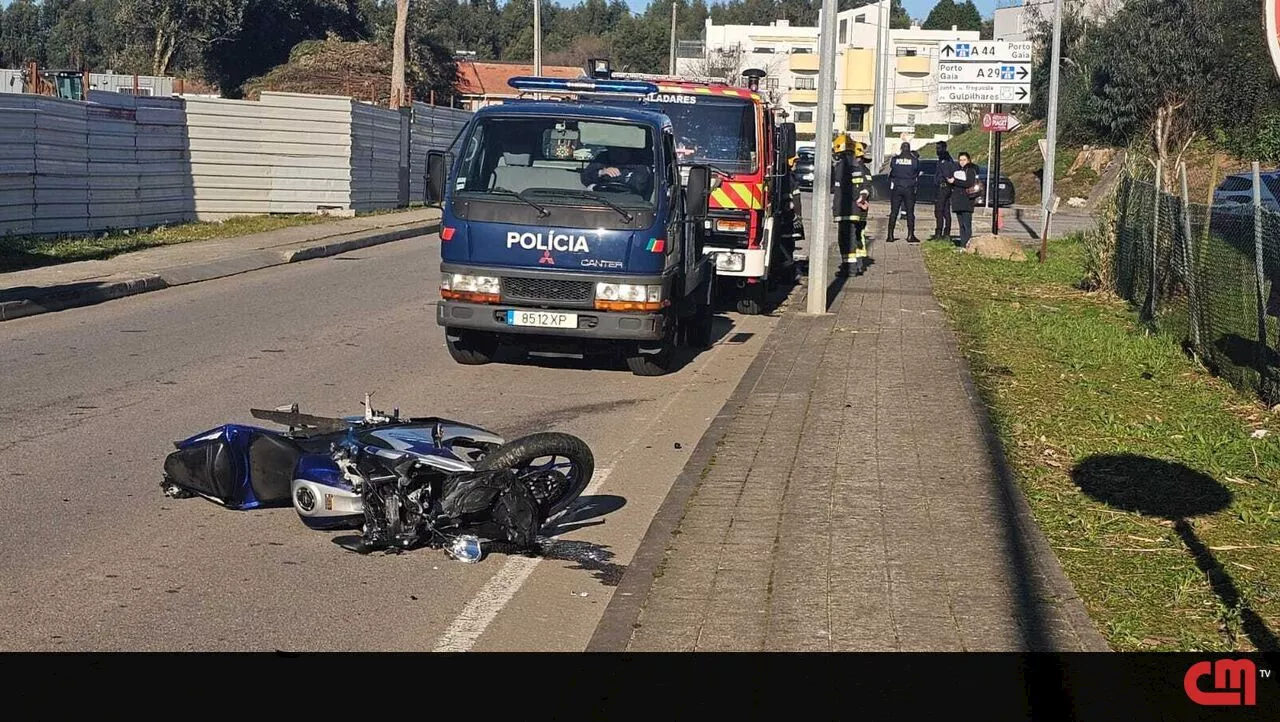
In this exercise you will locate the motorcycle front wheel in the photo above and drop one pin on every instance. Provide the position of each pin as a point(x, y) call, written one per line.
point(556, 467)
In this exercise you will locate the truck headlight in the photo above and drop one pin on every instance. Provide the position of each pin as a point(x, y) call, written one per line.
point(628, 297)
point(731, 262)
point(466, 287)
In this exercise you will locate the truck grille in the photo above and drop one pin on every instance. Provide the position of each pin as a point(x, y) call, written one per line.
point(542, 289)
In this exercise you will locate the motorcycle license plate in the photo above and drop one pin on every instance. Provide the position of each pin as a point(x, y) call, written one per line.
point(542, 319)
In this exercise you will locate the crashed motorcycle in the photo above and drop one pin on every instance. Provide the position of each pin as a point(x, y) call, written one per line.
point(403, 483)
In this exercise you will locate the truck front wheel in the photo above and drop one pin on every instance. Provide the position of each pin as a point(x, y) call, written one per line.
point(659, 363)
point(471, 349)
point(751, 299)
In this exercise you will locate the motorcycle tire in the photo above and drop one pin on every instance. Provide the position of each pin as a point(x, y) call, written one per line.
point(526, 449)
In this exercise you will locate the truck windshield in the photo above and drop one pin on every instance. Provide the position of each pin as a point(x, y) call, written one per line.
point(717, 131)
point(560, 161)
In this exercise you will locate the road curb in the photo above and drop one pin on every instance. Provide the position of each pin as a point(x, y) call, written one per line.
point(614, 631)
point(62, 299)
point(88, 293)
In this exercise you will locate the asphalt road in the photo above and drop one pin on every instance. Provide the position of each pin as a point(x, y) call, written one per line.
point(94, 557)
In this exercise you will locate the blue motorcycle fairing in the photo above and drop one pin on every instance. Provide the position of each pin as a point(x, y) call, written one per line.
point(246, 467)
point(241, 467)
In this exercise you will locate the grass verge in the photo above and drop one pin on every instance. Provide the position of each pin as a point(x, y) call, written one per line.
point(1157, 484)
point(22, 252)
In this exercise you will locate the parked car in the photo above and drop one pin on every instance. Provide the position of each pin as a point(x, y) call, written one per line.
point(1235, 193)
point(927, 188)
point(805, 158)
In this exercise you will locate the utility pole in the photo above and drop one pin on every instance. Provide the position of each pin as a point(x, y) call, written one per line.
point(398, 48)
point(822, 160)
point(1046, 200)
point(880, 116)
point(537, 37)
point(671, 69)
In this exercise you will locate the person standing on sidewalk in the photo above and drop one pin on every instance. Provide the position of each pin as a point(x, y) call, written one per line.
point(965, 189)
point(851, 182)
point(942, 205)
point(904, 174)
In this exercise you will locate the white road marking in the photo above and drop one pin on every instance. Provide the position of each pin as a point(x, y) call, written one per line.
point(480, 612)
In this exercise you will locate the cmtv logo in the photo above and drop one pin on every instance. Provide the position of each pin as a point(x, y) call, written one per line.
point(1235, 683)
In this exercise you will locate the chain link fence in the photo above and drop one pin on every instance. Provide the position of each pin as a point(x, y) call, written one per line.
point(1207, 274)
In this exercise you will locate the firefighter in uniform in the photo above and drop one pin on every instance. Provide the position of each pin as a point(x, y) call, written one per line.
point(851, 186)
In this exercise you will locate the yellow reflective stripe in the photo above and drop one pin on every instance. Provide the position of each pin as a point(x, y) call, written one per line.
point(722, 198)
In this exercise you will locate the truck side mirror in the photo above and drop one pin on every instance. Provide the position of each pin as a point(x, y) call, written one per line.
point(435, 177)
point(698, 189)
point(787, 139)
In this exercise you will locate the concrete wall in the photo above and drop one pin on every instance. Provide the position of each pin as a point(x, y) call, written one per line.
point(120, 161)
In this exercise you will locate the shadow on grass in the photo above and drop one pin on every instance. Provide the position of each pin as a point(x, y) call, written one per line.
point(1152, 487)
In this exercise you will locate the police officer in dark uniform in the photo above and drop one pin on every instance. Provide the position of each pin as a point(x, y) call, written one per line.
point(851, 183)
point(904, 173)
point(947, 167)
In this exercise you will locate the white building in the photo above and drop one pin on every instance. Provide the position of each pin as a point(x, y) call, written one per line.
point(789, 56)
point(1017, 22)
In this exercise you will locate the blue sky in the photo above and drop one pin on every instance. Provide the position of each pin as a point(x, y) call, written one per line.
point(917, 8)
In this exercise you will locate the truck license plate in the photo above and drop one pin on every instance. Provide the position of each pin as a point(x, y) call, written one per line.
point(542, 319)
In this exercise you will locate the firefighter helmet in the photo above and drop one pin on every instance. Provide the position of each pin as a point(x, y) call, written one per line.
point(840, 144)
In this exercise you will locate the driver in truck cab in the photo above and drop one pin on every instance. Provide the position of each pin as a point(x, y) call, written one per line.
point(628, 166)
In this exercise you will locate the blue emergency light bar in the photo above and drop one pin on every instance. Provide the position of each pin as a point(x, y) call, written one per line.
point(532, 84)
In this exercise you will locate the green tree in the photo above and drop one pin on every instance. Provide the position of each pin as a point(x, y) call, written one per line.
point(967, 16)
point(1155, 65)
point(1243, 99)
point(272, 28)
point(21, 39)
point(942, 16)
point(163, 29)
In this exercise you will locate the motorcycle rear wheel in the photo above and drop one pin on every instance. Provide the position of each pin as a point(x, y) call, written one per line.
point(569, 456)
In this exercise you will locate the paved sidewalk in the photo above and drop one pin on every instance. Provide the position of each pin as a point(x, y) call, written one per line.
point(53, 288)
point(845, 499)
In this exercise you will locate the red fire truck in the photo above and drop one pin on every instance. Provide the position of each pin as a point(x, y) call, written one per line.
point(753, 225)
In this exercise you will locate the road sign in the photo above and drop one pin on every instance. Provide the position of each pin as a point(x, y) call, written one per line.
point(983, 94)
point(984, 72)
point(986, 50)
point(989, 71)
point(999, 122)
point(904, 129)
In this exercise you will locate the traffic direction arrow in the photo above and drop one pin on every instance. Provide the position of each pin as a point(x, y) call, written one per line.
point(950, 73)
point(987, 51)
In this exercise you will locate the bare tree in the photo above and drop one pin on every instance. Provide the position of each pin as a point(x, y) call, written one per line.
point(398, 52)
point(729, 62)
point(723, 62)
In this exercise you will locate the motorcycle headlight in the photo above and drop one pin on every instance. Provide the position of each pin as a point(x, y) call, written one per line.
point(466, 283)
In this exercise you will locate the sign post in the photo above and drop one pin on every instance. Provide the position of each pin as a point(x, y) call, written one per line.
point(993, 180)
point(990, 71)
point(1273, 31)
